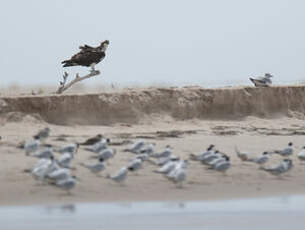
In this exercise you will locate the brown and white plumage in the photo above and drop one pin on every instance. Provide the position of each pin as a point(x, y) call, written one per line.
point(88, 56)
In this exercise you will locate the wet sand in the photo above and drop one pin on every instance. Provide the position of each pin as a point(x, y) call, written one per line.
point(279, 213)
point(192, 136)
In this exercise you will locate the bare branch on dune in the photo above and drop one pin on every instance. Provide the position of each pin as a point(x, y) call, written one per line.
point(63, 86)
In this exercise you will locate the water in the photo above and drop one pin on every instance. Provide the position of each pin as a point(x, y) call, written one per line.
point(251, 214)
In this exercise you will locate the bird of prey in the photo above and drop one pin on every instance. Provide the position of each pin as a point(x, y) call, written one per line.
point(88, 56)
point(262, 81)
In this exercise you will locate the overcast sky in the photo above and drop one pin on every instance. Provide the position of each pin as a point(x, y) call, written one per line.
point(214, 42)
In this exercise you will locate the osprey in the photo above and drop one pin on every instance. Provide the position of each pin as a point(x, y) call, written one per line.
point(88, 56)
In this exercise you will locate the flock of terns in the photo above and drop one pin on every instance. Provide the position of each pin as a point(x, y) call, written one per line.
point(57, 171)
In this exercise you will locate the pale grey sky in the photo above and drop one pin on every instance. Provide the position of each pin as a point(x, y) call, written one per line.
point(214, 42)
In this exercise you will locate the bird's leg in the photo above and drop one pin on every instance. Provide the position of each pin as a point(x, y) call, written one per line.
point(93, 70)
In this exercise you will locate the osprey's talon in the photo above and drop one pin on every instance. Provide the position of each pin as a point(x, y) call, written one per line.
point(94, 71)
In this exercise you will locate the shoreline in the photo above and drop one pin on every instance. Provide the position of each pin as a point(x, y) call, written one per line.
point(123, 201)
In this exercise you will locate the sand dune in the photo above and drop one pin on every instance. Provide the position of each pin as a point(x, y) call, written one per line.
point(133, 105)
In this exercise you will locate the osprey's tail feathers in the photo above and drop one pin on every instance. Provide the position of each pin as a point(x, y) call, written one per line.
point(68, 63)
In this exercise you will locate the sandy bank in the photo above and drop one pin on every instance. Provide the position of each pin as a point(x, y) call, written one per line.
point(131, 106)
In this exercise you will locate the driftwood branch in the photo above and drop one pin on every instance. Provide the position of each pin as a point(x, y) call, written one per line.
point(63, 86)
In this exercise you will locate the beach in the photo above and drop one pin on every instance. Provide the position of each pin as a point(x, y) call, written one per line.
point(189, 133)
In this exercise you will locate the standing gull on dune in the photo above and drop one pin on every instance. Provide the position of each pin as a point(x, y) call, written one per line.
point(262, 81)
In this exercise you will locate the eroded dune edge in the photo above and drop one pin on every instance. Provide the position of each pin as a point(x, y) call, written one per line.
point(132, 105)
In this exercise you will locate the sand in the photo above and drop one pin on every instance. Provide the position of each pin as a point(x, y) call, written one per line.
point(242, 180)
point(251, 131)
point(132, 106)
